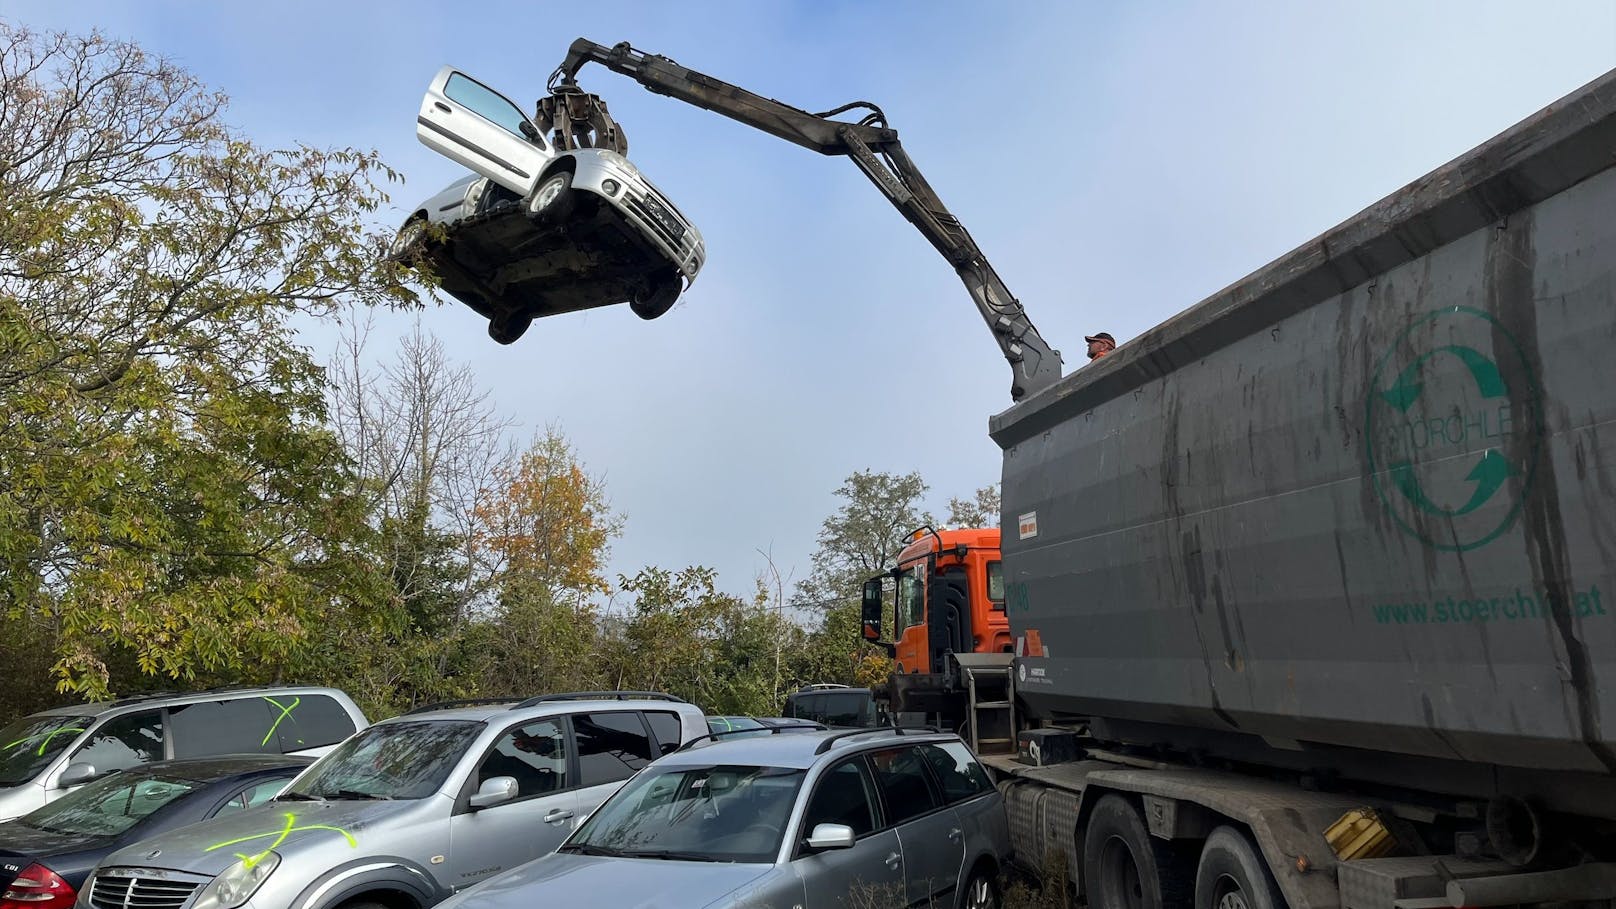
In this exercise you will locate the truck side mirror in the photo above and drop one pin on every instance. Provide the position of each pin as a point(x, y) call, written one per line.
point(871, 611)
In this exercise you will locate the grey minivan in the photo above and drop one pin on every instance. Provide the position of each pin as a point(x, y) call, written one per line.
point(45, 754)
point(878, 817)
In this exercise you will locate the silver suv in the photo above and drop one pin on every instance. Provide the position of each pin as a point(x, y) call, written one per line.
point(45, 754)
point(408, 811)
point(877, 817)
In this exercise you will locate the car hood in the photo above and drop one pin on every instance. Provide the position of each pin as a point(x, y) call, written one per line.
point(565, 879)
point(289, 828)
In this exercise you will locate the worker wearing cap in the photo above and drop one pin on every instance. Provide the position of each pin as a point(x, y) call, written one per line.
point(1100, 345)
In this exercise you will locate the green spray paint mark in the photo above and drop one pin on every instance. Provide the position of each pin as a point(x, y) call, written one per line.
point(47, 736)
point(280, 837)
point(285, 712)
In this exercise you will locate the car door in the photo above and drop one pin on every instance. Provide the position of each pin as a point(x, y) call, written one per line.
point(612, 746)
point(466, 121)
point(928, 830)
point(483, 841)
point(868, 874)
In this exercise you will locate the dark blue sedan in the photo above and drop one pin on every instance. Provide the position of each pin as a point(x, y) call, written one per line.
point(45, 855)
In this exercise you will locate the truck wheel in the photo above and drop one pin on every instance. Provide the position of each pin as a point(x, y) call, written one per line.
point(1124, 867)
point(659, 298)
point(1232, 875)
point(552, 200)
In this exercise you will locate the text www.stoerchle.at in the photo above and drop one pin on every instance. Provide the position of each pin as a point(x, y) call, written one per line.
point(1461, 610)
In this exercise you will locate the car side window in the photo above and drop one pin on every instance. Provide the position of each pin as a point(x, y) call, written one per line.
point(486, 103)
point(535, 755)
point(611, 746)
point(123, 742)
point(240, 726)
point(300, 722)
point(905, 786)
point(666, 727)
point(253, 796)
point(845, 795)
point(959, 773)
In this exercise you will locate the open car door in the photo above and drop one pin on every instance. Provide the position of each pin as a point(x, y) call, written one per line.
point(466, 121)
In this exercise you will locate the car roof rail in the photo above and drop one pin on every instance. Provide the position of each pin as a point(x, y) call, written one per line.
point(825, 743)
point(771, 730)
point(600, 696)
point(822, 686)
point(458, 702)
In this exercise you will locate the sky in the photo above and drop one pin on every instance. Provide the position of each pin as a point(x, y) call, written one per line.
point(1117, 162)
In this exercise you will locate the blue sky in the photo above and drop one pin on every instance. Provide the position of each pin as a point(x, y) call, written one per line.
point(1117, 162)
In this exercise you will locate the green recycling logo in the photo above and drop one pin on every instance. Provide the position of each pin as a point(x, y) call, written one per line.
point(1453, 428)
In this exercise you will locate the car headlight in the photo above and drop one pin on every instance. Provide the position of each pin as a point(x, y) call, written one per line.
point(237, 883)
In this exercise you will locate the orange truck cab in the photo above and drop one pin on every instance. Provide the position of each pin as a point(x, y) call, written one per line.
point(950, 599)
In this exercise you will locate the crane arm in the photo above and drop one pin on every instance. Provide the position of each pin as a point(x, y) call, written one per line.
point(874, 148)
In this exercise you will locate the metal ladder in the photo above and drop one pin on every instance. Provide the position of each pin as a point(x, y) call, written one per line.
point(990, 690)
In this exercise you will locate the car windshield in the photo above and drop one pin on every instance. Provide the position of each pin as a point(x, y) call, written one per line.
point(31, 743)
point(389, 761)
point(714, 813)
point(110, 806)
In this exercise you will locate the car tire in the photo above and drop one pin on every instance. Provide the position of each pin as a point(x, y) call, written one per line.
point(981, 892)
point(659, 298)
point(507, 327)
point(410, 241)
point(1124, 867)
point(552, 200)
point(1232, 875)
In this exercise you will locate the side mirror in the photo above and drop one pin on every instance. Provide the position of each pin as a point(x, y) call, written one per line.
point(870, 613)
point(831, 836)
point(493, 791)
point(77, 774)
point(528, 129)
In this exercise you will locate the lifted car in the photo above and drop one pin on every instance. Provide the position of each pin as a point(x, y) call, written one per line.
point(540, 230)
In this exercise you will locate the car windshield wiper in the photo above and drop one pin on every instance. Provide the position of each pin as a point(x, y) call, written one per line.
point(355, 795)
point(297, 797)
point(587, 849)
point(671, 854)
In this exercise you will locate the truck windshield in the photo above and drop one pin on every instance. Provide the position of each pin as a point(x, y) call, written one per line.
point(388, 761)
point(713, 813)
point(911, 599)
point(28, 745)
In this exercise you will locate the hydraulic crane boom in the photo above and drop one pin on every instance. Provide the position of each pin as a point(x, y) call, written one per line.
point(875, 148)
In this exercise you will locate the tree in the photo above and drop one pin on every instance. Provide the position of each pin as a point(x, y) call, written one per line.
point(864, 535)
point(981, 510)
point(174, 503)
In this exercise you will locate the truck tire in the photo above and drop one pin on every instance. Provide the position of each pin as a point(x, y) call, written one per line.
point(1232, 875)
point(1124, 867)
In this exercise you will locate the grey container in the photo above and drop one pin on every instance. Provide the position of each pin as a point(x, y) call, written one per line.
point(1357, 511)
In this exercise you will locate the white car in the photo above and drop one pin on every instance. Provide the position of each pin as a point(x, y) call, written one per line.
point(539, 231)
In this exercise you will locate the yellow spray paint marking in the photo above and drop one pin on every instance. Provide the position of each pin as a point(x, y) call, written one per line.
point(280, 837)
point(285, 712)
point(47, 736)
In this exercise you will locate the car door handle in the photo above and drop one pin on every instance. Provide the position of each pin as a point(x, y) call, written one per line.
point(894, 860)
point(557, 815)
point(443, 107)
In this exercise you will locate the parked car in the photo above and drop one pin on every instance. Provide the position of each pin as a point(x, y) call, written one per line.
point(816, 819)
point(409, 810)
point(595, 232)
point(833, 705)
point(44, 755)
point(46, 854)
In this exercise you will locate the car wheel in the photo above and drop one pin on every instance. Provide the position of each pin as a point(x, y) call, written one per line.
point(552, 200)
point(410, 241)
point(659, 298)
point(1124, 867)
point(506, 328)
point(1233, 876)
point(980, 893)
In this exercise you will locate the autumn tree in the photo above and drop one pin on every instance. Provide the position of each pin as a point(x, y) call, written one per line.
point(545, 530)
point(980, 510)
point(174, 505)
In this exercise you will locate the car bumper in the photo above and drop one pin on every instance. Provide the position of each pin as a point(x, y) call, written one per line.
point(639, 203)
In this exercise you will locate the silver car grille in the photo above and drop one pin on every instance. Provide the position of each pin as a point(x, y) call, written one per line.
point(122, 891)
point(684, 242)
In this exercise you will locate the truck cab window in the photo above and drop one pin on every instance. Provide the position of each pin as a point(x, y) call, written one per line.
point(911, 599)
point(996, 585)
